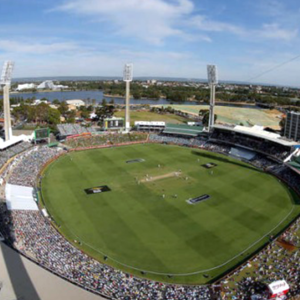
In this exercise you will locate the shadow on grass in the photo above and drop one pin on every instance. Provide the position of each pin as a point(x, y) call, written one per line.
point(226, 160)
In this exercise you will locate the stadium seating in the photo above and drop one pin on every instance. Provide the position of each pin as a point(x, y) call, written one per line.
point(31, 234)
point(105, 139)
point(277, 151)
point(74, 129)
point(10, 152)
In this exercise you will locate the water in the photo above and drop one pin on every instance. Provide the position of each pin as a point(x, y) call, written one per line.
point(84, 95)
point(99, 96)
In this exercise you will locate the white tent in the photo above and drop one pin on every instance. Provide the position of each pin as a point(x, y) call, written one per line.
point(20, 197)
point(26, 86)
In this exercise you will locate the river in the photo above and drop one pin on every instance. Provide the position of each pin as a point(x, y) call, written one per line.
point(99, 96)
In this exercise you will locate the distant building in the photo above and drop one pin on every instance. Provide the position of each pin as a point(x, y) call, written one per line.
point(292, 126)
point(39, 101)
point(93, 116)
point(26, 86)
point(152, 81)
point(49, 85)
point(149, 126)
point(76, 102)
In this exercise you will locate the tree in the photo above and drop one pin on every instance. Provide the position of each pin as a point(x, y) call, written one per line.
point(104, 112)
point(202, 112)
point(70, 117)
point(31, 113)
point(205, 119)
point(177, 96)
point(63, 108)
point(53, 116)
point(84, 113)
point(56, 102)
point(104, 102)
point(42, 111)
point(137, 95)
point(90, 108)
point(282, 125)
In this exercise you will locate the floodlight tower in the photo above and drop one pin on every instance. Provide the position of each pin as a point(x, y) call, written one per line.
point(127, 77)
point(212, 75)
point(5, 82)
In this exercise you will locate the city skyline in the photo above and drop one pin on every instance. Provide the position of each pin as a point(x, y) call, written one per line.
point(162, 38)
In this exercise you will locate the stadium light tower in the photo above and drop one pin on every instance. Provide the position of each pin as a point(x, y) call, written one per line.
point(212, 75)
point(127, 77)
point(5, 82)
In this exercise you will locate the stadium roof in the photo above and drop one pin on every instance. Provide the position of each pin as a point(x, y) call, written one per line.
point(259, 132)
point(183, 130)
point(295, 162)
point(149, 123)
point(114, 119)
point(14, 140)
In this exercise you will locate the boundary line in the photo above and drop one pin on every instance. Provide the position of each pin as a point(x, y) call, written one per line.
point(176, 274)
point(182, 274)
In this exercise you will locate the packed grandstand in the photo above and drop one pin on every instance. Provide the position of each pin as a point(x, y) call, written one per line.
point(31, 233)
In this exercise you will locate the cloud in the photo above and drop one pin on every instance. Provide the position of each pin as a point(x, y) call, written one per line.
point(268, 31)
point(150, 20)
point(271, 8)
point(14, 46)
point(156, 20)
point(274, 31)
point(204, 24)
point(108, 63)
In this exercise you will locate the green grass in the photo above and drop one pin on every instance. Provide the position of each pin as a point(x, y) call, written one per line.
point(135, 226)
point(150, 116)
point(237, 115)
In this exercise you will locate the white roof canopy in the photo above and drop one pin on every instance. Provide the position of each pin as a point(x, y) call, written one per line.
point(259, 132)
point(153, 123)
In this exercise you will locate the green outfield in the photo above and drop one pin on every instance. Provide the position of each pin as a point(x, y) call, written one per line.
point(237, 115)
point(151, 116)
point(144, 225)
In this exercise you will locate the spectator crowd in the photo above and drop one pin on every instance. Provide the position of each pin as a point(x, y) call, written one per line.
point(28, 165)
point(34, 236)
point(274, 149)
point(105, 139)
point(10, 152)
point(271, 264)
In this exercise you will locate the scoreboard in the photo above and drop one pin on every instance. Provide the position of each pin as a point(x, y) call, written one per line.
point(41, 134)
point(113, 123)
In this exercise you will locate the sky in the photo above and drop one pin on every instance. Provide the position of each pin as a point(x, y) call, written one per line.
point(162, 38)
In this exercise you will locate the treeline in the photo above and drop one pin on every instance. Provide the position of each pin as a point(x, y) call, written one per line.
point(82, 85)
point(257, 98)
point(42, 114)
point(174, 94)
point(38, 114)
point(182, 94)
